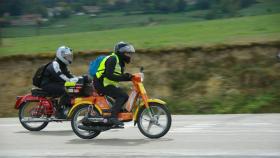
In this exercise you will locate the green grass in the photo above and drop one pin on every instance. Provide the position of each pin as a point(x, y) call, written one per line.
point(235, 30)
point(85, 23)
point(116, 20)
point(261, 8)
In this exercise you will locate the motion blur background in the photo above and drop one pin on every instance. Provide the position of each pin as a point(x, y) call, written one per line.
point(201, 56)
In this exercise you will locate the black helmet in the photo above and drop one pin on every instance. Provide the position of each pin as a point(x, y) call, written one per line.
point(124, 51)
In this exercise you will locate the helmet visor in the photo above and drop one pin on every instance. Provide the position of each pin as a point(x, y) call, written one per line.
point(67, 55)
point(69, 58)
point(127, 49)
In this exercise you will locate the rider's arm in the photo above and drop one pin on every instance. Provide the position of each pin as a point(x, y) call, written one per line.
point(56, 72)
point(109, 71)
point(68, 74)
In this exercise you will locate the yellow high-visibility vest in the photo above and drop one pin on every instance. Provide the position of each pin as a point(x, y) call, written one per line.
point(101, 70)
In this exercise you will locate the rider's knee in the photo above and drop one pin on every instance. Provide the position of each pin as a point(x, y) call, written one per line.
point(124, 97)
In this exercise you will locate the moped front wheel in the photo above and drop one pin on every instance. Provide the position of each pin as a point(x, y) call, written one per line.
point(155, 124)
point(28, 113)
point(77, 120)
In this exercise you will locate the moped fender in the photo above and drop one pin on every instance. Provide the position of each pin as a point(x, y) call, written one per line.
point(161, 102)
point(19, 101)
point(80, 102)
point(75, 106)
point(155, 101)
point(28, 97)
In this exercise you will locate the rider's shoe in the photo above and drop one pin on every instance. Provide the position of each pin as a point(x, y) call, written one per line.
point(116, 122)
point(60, 114)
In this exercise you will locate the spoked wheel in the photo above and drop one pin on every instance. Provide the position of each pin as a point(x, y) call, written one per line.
point(158, 124)
point(78, 115)
point(31, 111)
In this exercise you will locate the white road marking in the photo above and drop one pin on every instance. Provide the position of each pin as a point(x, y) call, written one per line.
point(192, 128)
point(248, 135)
point(9, 125)
point(127, 125)
point(209, 127)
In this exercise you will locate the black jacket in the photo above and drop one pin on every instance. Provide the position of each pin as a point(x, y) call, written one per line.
point(110, 65)
point(56, 72)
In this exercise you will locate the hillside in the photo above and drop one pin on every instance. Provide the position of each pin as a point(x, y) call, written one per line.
point(120, 19)
point(212, 79)
point(226, 31)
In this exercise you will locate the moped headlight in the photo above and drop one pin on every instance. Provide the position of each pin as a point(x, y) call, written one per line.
point(142, 77)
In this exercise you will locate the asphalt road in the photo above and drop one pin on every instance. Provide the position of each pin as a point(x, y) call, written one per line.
point(209, 136)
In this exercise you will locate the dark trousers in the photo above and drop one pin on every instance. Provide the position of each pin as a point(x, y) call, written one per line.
point(58, 90)
point(117, 93)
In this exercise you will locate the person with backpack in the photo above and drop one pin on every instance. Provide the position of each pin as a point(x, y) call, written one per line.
point(109, 72)
point(55, 75)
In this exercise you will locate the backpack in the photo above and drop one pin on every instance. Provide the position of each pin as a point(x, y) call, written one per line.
point(38, 76)
point(94, 64)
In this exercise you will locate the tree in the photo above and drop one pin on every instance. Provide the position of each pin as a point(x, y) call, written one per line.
point(77, 7)
point(119, 5)
point(35, 7)
point(65, 13)
point(1, 43)
point(14, 7)
point(223, 8)
point(181, 5)
point(246, 3)
point(38, 25)
point(162, 6)
point(202, 4)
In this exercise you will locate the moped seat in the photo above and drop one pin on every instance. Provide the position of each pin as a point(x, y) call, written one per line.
point(38, 92)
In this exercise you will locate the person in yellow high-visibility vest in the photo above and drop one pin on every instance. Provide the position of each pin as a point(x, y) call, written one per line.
point(110, 72)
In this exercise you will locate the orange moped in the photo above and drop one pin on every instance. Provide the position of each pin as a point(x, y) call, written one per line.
point(151, 115)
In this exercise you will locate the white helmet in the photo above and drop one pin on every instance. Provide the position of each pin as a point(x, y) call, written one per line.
point(65, 55)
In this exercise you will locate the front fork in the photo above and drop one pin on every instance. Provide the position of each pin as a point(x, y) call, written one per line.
point(145, 100)
point(151, 113)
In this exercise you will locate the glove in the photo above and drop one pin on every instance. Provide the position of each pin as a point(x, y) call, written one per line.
point(74, 79)
point(128, 76)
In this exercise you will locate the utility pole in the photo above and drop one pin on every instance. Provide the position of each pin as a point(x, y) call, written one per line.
point(1, 42)
point(38, 26)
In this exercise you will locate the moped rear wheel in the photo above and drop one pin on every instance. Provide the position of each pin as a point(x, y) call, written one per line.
point(157, 125)
point(77, 117)
point(30, 111)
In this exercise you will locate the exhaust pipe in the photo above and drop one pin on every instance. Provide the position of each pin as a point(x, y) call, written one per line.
point(96, 128)
point(96, 119)
point(93, 128)
point(33, 120)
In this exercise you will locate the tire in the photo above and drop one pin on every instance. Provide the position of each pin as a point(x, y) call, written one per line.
point(77, 131)
point(26, 125)
point(140, 119)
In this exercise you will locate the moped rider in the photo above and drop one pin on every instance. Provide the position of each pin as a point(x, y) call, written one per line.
point(54, 77)
point(110, 72)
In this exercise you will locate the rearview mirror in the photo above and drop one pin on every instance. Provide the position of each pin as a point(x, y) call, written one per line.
point(141, 69)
